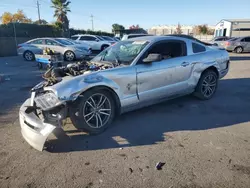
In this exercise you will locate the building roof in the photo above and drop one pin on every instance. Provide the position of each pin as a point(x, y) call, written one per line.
point(237, 20)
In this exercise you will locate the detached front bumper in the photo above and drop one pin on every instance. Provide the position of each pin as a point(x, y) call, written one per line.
point(33, 129)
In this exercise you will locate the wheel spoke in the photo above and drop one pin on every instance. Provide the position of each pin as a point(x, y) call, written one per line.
point(100, 119)
point(104, 113)
point(90, 118)
point(90, 104)
point(210, 90)
point(100, 101)
point(93, 101)
point(88, 114)
point(102, 109)
point(212, 84)
point(205, 91)
point(104, 100)
point(96, 119)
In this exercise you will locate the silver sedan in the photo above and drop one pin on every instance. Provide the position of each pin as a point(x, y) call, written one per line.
point(68, 49)
point(129, 75)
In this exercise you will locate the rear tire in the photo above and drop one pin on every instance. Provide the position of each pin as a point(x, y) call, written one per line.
point(93, 112)
point(29, 56)
point(207, 85)
point(238, 50)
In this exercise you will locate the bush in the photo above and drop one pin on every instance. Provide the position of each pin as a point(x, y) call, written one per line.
point(81, 31)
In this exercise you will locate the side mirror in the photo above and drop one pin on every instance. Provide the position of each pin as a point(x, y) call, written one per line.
point(97, 40)
point(152, 58)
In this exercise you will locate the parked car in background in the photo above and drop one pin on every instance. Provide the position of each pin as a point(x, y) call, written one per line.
point(129, 75)
point(94, 41)
point(238, 45)
point(219, 40)
point(107, 38)
point(117, 39)
point(81, 44)
point(130, 36)
point(69, 50)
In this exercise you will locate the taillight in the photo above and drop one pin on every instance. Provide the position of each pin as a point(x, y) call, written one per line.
point(227, 43)
point(19, 46)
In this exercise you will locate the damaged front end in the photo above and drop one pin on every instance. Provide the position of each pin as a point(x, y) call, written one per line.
point(38, 118)
point(40, 115)
point(45, 110)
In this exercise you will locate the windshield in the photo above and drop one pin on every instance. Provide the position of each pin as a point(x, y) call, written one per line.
point(107, 38)
point(64, 42)
point(123, 52)
point(100, 38)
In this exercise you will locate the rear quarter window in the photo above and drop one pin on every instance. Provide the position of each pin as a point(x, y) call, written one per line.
point(197, 48)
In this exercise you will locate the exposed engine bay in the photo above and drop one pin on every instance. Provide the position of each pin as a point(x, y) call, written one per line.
point(54, 74)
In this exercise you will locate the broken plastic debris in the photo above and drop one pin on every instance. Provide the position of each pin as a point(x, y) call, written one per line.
point(159, 165)
point(120, 148)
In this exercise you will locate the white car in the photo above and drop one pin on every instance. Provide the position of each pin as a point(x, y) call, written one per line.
point(95, 42)
point(80, 44)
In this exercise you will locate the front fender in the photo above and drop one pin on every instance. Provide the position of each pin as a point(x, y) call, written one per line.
point(69, 90)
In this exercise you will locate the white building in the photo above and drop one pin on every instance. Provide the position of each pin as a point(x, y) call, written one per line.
point(172, 29)
point(233, 28)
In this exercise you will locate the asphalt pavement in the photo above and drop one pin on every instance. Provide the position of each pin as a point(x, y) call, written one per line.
point(201, 143)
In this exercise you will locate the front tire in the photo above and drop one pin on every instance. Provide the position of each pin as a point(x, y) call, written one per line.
point(94, 111)
point(207, 85)
point(29, 56)
point(69, 56)
point(239, 50)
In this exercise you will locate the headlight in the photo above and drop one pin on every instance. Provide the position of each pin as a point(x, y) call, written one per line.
point(47, 101)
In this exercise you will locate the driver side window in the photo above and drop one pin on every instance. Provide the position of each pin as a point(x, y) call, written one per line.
point(169, 49)
point(50, 42)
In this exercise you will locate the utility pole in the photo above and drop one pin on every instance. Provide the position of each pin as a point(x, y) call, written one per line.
point(92, 21)
point(38, 10)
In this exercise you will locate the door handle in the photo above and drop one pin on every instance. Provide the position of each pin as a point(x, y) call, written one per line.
point(184, 64)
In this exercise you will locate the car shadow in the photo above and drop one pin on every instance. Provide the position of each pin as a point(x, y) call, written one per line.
point(239, 58)
point(154, 124)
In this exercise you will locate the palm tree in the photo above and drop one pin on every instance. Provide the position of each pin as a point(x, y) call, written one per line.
point(61, 9)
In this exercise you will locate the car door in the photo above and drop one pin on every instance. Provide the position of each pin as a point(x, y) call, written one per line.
point(36, 46)
point(247, 41)
point(165, 78)
point(90, 40)
point(53, 45)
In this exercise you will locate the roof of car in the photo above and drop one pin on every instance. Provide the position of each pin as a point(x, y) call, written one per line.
point(158, 38)
point(77, 35)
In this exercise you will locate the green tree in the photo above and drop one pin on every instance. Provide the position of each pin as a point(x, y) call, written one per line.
point(42, 22)
point(117, 27)
point(61, 9)
point(178, 29)
point(203, 29)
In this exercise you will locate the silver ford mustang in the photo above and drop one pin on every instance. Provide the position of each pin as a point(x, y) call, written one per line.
point(128, 75)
